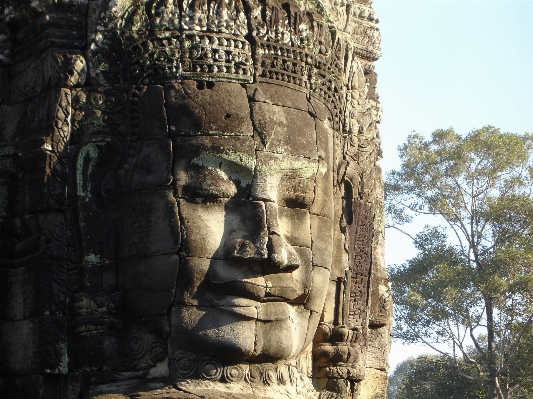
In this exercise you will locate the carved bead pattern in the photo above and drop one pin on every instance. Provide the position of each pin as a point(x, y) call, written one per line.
point(269, 375)
point(283, 375)
point(185, 365)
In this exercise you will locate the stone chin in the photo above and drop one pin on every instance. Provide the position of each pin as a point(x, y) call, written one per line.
point(270, 332)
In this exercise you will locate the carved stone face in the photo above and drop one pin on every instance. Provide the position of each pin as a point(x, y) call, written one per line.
point(253, 272)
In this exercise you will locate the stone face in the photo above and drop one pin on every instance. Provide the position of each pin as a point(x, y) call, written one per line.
point(190, 201)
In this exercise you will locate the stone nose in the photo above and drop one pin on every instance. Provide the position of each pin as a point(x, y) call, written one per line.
point(240, 246)
point(281, 255)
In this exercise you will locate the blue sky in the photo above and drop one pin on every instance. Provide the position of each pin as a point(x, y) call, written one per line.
point(464, 64)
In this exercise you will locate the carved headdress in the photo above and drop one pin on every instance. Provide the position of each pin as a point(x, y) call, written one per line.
point(313, 48)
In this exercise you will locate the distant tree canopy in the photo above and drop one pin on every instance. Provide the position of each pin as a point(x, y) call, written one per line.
point(473, 274)
point(432, 377)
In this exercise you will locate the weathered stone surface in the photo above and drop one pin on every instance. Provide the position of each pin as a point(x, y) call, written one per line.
point(55, 68)
point(214, 167)
point(12, 120)
point(34, 346)
point(210, 332)
point(30, 386)
point(146, 164)
point(272, 341)
point(277, 95)
point(148, 284)
point(126, 113)
point(322, 205)
point(274, 126)
point(285, 179)
point(374, 384)
point(294, 225)
point(149, 224)
point(316, 298)
point(207, 108)
point(28, 292)
point(224, 229)
point(321, 241)
point(379, 341)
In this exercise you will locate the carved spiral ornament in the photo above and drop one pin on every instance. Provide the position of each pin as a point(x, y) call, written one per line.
point(234, 373)
point(183, 364)
point(135, 345)
point(210, 368)
point(157, 351)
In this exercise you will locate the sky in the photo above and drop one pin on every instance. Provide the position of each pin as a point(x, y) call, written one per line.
point(461, 64)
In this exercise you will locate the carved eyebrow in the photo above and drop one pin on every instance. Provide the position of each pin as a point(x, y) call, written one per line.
point(303, 168)
point(229, 165)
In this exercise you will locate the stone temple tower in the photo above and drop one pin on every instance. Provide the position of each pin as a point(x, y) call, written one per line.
point(191, 203)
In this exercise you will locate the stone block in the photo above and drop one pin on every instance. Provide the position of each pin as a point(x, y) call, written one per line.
point(321, 241)
point(192, 288)
point(319, 110)
point(219, 229)
point(30, 387)
point(329, 313)
point(284, 130)
point(294, 224)
point(126, 113)
point(314, 319)
point(214, 166)
point(339, 256)
point(380, 301)
point(317, 296)
point(285, 179)
point(374, 384)
point(323, 203)
point(200, 108)
point(144, 343)
point(41, 236)
point(155, 273)
point(46, 190)
point(379, 342)
point(148, 223)
point(146, 164)
point(55, 68)
point(277, 95)
point(34, 346)
point(95, 352)
point(145, 303)
point(98, 230)
point(33, 290)
point(12, 121)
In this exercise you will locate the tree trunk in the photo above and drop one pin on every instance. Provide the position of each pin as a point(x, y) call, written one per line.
point(491, 352)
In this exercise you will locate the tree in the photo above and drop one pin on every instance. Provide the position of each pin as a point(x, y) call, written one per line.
point(473, 274)
point(432, 377)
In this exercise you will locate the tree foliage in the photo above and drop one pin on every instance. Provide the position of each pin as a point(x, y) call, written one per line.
point(432, 377)
point(473, 274)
